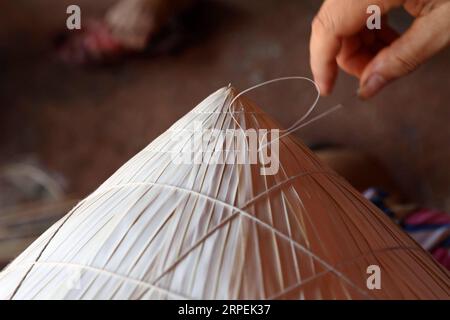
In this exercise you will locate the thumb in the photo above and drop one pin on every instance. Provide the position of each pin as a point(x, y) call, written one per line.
point(426, 36)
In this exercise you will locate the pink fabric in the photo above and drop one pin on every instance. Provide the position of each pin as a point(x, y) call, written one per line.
point(427, 216)
point(443, 256)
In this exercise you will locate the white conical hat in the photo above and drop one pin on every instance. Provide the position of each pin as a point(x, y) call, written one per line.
point(204, 229)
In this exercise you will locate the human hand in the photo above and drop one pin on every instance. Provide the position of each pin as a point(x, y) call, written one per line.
point(340, 38)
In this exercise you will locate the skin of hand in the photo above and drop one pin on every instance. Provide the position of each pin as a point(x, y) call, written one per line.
point(340, 38)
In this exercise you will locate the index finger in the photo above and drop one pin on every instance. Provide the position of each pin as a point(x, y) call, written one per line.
point(337, 19)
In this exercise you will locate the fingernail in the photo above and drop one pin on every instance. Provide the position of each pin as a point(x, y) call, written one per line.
point(372, 85)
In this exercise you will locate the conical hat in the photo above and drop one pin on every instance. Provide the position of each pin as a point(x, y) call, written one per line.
point(170, 227)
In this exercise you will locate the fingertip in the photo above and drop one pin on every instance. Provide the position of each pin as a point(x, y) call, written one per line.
point(323, 87)
point(325, 90)
point(325, 81)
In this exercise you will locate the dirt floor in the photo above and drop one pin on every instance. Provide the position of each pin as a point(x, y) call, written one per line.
point(83, 123)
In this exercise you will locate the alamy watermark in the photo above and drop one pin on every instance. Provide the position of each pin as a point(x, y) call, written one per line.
point(374, 20)
point(374, 280)
point(228, 146)
point(73, 21)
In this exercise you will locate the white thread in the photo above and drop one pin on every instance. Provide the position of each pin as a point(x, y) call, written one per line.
point(297, 124)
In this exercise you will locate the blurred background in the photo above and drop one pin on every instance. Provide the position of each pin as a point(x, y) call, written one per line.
point(66, 127)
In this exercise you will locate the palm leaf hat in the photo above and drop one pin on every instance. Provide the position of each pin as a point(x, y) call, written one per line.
point(162, 227)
